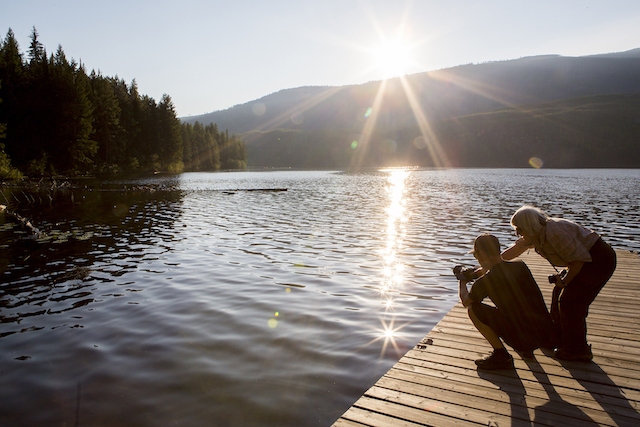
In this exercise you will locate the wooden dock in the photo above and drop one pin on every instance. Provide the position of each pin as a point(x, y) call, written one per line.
point(437, 384)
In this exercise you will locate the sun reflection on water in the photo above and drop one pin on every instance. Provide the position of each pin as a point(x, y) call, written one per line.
point(392, 272)
point(390, 336)
point(392, 278)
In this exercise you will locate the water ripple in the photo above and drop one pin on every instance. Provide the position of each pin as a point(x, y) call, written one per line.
point(201, 303)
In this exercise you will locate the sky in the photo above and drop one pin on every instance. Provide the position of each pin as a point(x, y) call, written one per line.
point(209, 55)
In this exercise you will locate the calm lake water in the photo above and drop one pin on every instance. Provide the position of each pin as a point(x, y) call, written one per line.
point(175, 301)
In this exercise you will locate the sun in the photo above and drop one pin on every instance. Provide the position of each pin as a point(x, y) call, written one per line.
point(393, 58)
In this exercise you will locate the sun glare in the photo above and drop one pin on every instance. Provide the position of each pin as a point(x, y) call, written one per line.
point(393, 58)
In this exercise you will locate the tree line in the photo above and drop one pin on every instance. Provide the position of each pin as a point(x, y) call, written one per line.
point(55, 118)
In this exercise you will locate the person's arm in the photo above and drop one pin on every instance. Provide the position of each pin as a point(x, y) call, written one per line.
point(515, 250)
point(573, 269)
point(464, 294)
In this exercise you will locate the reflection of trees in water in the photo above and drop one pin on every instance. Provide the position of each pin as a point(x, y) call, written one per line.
point(85, 232)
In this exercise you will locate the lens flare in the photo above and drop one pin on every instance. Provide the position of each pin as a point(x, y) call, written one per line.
point(420, 142)
point(390, 335)
point(390, 145)
point(259, 109)
point(536, 162)
point(297, 118)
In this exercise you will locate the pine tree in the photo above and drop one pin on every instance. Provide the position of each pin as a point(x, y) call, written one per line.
point(6, 170)
point(212, 130)
point(57, 119)
point(170, 137)
point(36, 49)
point(106, 125)
point(82, 149)
point(12, 76)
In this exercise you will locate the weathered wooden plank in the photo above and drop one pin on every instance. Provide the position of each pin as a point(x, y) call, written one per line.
point(507, 389)
point(542, 362)
point(624, 324)
point(602, 383)
point(438, 406)
point(516, 405)
point(346, 423)
point(594, 322)
point(413, 415)
point(359, 417)
point(612, 355)
point(594, 329)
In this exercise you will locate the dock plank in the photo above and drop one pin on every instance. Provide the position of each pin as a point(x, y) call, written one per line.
point(436, 383)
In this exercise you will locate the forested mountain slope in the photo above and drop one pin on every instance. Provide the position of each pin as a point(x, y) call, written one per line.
point(562, 111)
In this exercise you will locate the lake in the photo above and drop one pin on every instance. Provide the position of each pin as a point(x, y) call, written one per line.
point(189, 300)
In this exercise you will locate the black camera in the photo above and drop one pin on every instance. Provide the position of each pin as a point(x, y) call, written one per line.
point(468, 274)
point(553, 279)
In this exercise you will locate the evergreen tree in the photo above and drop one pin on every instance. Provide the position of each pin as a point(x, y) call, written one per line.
point(82, 149)
point(106, 125)
point(12, 78)
point(187, 147)
point(57, 119)
point(36, 49)
point(129, 129)
point(214, 150)
point(6, 170)
point(170, 138)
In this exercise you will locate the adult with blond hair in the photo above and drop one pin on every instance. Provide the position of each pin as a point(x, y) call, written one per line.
point(589, 262)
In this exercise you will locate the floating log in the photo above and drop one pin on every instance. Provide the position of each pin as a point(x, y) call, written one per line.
point(24, 222)
point(254, 189)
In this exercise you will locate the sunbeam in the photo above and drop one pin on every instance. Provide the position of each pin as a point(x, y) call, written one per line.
point(296, 113)
point(369, 125)
point(431, 142)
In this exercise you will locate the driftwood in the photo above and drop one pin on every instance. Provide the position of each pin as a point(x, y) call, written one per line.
point(253, 189)
point(24, 222)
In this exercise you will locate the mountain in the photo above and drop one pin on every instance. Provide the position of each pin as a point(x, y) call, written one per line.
point(586, 132)
point(321, 126)
point(442, 94)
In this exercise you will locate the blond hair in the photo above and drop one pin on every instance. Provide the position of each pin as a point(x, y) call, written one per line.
point(529, 220)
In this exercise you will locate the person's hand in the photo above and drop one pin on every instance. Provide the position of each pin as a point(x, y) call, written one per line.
point(559, 282)
point(523, 242)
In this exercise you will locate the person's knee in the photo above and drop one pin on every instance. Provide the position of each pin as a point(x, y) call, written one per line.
point(472, 315)
point(475, 319)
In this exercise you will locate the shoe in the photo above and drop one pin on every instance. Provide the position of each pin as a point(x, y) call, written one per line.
point(495, 361)
point(565, 354)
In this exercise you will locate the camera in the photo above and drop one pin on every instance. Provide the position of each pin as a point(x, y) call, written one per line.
point(468, 274)
point(553, 279)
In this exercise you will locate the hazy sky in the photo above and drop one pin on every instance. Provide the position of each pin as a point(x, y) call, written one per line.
point(212, 54)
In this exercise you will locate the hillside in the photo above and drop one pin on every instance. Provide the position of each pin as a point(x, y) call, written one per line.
point(571, 112)
point(596, 131)
point(453, 92)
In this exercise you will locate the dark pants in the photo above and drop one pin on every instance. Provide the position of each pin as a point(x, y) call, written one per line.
point(523, 334)
point(570, 305)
